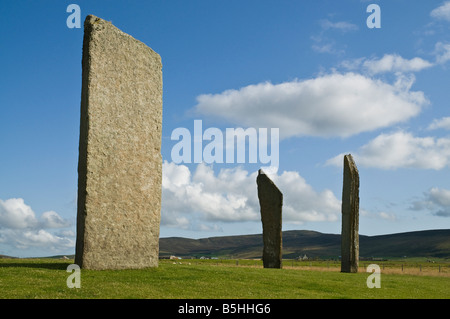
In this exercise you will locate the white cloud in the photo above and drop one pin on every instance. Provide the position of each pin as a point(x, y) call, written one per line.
point(442, 52)
point(387, 216)
point(395, 63)
point(436, 200)
point(328, 47)
point(52, 220)
point(35, 239)
point(20, 228)
point(330, 105)
point(340, 25)
point(43, 238)
point(214, 198)
point(231, 196)
point(15, 214)
point(377, 215)
point(402, 150)
point(443, 123)
point(442, 12)
point(440, 197)
point(326, 44)
point(301, 203)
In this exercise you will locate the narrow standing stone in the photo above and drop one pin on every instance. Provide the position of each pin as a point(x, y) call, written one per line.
point(350, 217)
point(271, 202)
point(119, 167)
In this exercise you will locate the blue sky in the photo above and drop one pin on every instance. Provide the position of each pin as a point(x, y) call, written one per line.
point(313, 69)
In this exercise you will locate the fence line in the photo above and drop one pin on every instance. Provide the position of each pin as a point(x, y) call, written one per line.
point(333, 265)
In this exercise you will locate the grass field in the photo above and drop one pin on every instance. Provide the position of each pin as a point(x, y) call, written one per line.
point(191, 279)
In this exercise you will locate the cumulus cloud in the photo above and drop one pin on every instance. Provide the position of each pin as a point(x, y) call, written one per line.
point(194, 199)
point(20, 228)
point(51, 219)
point(378, 215)
point(226, 197)
point(402, 150)
point(442, 52)
point(389, 63)
point(395, 63)
point(301, 203)
point(43, 238)
point(15, 214)
point(443, 123)
point(436, 200)
point(35, 238)
point(327, 106)
point(442, 12)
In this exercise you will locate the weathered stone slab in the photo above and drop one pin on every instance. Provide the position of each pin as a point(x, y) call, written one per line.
point(350, 217)
point(271, 202)
point(120, 165)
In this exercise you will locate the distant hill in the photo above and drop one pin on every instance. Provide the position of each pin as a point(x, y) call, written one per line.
point(428, 243)
point(4, 256)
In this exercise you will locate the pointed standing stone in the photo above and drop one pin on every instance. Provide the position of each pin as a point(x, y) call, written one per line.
point(119, 167)
point(350, 217)
point(271, 202)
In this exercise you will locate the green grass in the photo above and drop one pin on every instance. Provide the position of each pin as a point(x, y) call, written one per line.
point(46, 278)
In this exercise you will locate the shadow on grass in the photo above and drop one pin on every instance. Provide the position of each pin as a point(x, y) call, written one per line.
point(57, 265)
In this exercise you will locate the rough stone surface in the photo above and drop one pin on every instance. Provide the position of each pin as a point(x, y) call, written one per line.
point(120, 165)
point(271, 202)
point(350, 217)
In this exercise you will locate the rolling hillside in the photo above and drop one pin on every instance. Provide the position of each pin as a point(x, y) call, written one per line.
point(429, 243)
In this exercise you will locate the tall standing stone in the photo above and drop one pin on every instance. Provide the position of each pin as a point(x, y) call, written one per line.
point(350, 217)
point(271, 202)
point(119, 167)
